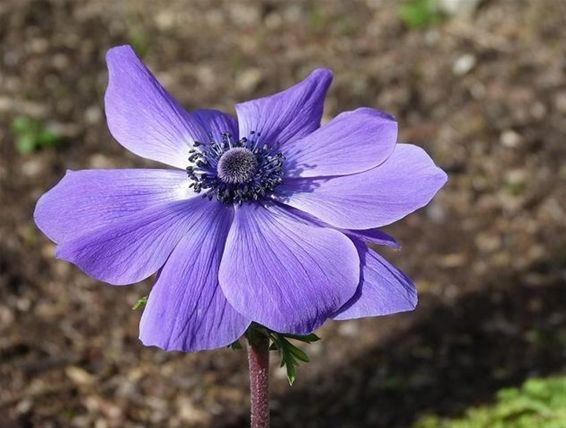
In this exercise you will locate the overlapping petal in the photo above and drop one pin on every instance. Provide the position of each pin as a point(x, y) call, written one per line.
point(287, 115)
point(214, 124)
point(407, 181)
point(187, 310)
point(144, 118)
point(374, 236)
point(284, 272)
point(84, 201)
point(352, 142)
point(383, 289)
point(133, 249)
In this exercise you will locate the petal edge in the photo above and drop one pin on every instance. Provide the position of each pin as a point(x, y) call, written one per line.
point(352, 142)
point(187, 310)
point(407, 181)
point(383, 290)
point(287, 115)
point(274, 275)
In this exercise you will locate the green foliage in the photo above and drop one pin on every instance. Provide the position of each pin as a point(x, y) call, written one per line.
point(417, 14)
point(138, 34)
point(235, 346)
point(291, 356)
point(31, 135)
point(538, 403)
point(140, 41)
point(140, 304)
point(316, 19)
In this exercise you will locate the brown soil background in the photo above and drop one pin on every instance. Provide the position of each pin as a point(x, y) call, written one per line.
point(488, 255)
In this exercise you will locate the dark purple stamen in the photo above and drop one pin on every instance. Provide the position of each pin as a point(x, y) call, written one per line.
point(235, 171)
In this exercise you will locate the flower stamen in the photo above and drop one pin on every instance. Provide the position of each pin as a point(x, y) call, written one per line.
point(235, 171)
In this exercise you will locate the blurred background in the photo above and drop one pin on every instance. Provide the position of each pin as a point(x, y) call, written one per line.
point(481, 85)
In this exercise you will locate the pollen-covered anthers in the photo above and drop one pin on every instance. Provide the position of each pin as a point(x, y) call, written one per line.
point(235, 171)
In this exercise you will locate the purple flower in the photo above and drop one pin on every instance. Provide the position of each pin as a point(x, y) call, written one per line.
point(264, 218)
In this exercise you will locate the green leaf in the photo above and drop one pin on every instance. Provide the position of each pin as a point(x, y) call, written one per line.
point(291, 355)
point(46, 138)
point(236, 346)
point(417, 14)
point(21, 124)
point(32, 134)
point(299, 354)
point(140, 304)
point(309, 338)
point(540, 402)
point(291, 373)
point(25, 144)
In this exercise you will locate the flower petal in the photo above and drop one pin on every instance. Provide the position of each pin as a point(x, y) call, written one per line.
point(186, 310)
point(352, 142)
point(284, 272)
point(383, 289)
point(215, 123)
point(131, 250)
point(84, 201)
point(407, 181)
point(287, 115)
point(142, 116)
point(374, 236)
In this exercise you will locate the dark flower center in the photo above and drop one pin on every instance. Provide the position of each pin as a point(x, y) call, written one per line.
point(235, 171)
point(237, 165)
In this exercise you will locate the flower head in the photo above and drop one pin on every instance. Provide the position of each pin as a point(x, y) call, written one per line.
point(261, 219)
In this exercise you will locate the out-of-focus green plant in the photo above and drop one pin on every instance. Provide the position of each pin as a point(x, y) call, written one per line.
point(141, 303)
point(137, 34)
point(31, 135)
point(140, 40)
point(417, 14)
point(317, 21)
point(538, 403)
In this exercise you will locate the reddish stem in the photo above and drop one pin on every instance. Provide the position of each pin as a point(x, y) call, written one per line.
point(258, 356)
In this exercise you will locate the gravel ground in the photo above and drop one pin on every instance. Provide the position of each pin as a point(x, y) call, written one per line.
point(484, 95)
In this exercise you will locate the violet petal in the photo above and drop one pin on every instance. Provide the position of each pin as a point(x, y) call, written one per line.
point(407, 181)
point(284, 272)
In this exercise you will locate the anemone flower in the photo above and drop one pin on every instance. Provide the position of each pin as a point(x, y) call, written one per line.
point(262, 218)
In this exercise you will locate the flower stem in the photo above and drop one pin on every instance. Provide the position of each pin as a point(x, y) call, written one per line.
point(258, 357)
